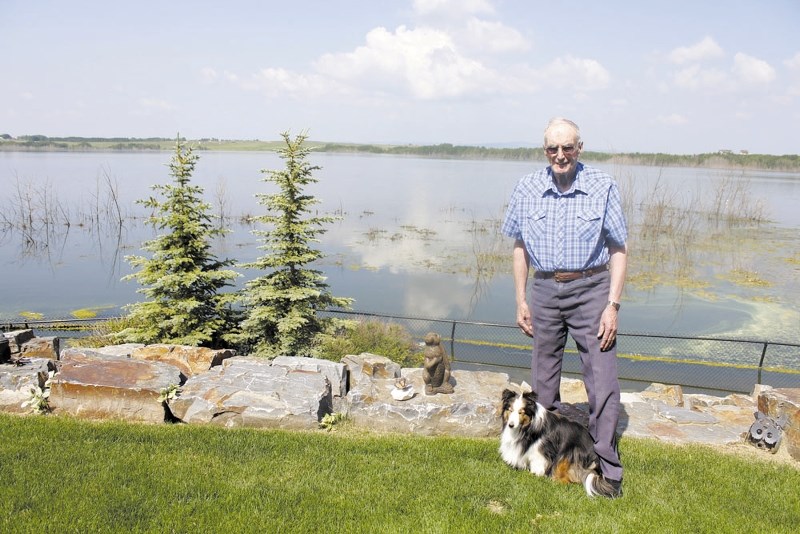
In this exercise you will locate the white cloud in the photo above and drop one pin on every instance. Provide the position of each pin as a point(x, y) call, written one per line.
point(695, 77)
point(793, 88)
point(494, 36)
point(752, 70)
point(705, 49)
point(674, 119)
point(277, 82)
point(461, 58)
point(423, 61)
point(793, 63)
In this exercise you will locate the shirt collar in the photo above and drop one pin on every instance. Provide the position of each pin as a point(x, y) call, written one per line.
point(578, 185)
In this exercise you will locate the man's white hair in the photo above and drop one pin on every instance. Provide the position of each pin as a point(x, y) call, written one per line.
point(557, 121)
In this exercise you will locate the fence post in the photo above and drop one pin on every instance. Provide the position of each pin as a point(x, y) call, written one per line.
point(453, 341)
point(761, 362)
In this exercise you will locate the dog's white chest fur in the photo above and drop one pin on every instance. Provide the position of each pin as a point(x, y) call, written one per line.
point(512, 448)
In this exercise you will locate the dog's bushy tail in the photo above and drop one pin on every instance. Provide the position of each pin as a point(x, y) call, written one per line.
point(596, 485)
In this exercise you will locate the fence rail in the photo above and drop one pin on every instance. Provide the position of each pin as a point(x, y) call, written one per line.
point(702, 364)
point(699, 364)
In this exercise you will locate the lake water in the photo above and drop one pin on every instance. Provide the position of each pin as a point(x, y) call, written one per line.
point(416, 237)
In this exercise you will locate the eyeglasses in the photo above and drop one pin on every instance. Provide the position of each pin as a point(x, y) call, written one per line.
point(565, 149)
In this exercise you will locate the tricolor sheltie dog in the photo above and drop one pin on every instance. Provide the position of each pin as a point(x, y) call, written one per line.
point(549, 445)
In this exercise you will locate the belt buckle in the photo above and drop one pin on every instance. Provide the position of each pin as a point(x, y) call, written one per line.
point(561, 276)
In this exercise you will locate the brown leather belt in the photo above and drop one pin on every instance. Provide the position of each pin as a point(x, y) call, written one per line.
point(569, 276)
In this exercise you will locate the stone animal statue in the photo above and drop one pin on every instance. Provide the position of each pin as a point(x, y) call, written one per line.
point(765, 432)
point(436, 367)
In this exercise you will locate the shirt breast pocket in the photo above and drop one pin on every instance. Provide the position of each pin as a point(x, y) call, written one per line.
point(590, 222)
point(537, 225)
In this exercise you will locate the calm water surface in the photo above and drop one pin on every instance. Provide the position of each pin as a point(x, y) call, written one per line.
point(416, 237)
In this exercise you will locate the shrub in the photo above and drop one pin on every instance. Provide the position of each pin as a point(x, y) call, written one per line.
point(104, 333)
point(391, 340)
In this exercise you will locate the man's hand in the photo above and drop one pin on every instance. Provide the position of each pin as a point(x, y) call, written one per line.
point(524, 319)
point(608, 328)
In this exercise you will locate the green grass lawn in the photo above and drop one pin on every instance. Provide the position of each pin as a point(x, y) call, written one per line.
point(62, 475)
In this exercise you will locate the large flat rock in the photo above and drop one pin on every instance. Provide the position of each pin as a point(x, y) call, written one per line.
point(98, 386)
point(472, 410)
point(250, 392)
point(42, 347)
point(190, 360)
point(335, 372)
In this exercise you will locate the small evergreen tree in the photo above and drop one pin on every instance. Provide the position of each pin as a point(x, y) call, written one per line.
point(182, 280)
point(281, 306)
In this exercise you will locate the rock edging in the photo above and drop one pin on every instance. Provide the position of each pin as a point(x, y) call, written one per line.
point(129, 382)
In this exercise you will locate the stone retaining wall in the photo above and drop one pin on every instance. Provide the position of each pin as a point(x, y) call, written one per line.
point(132, 382)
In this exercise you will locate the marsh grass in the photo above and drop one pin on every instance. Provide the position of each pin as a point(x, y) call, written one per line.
point(35, 214)
point(63, 475)
point(103, 333)
point(675, 235)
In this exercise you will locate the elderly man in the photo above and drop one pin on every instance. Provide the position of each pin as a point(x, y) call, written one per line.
point(568, 225)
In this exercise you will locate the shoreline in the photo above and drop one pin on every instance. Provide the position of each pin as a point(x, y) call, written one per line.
point(789, 163)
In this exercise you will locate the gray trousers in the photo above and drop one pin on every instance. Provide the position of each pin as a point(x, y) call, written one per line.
point(576, 307)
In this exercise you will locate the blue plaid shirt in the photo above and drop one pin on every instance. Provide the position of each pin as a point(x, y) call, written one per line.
point(568, 231)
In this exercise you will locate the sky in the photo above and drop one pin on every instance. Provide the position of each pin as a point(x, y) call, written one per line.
point(677, 76)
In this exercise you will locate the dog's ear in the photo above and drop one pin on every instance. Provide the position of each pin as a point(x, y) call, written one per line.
point(508, 396)
point(530, 396)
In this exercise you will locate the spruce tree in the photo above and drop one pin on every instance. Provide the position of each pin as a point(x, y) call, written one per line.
point(281, 306)
point(182, 280)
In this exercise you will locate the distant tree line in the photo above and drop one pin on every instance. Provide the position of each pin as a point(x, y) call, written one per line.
point(787, 162)
point(722, 158)
point(41, 138)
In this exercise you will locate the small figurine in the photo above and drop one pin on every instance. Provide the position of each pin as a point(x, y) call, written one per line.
point(402, 389)
point(436, 367)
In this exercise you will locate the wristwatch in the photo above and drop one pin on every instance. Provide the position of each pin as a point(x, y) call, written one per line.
point(613, 304)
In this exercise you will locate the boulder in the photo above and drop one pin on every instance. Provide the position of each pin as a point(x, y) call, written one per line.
point(16, 382)
point(573, 391)
point(777, 402)
point(369, 366)
point(336, 373)
point(123, 349)
point(701, 401)
point(16, 338)
point(250, 392)
point(41, 347)
point(669, 395)
point(98, 386)
point(791, 436)
point(190, 360)
point(472, 410)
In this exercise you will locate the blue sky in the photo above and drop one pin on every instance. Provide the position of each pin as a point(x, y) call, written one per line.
point(679, 76)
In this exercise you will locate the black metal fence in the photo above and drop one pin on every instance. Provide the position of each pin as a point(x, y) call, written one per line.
point(698, 364)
